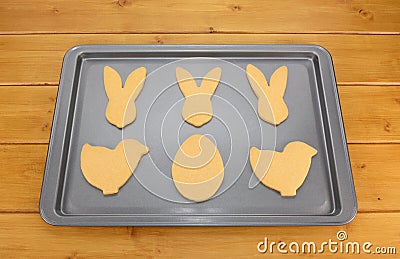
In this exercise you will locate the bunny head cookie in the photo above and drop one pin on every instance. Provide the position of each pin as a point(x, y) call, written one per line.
point(271, 106)
point(121, 108)
point(197, 109)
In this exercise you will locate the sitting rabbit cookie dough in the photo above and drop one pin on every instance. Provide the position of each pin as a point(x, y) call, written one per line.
point(121, 108)
point(283, 171)
point(198, 169)
point(197, 109)
point(109, 169)
point(271, 106)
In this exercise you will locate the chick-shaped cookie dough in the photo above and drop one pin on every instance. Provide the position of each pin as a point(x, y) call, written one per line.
point(121, 108)
point(271, 105)
point(198, 169)
point(283, 171)
point(109, 169)
point(197, 109)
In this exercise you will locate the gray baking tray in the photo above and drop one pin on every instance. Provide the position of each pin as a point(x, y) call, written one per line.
point(327, 197)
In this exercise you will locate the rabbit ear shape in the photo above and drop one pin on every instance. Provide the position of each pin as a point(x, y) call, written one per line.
point(135, 81)
point(112, 82)
point(211, 81)
point(257, 80)
point(186, 82)
point(278, 80)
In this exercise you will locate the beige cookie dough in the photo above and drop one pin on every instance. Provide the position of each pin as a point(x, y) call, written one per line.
point(271, 105)
point(121, 108)
point(283, 171)
point(109, 169)
point(197, 109)
point(198, 169)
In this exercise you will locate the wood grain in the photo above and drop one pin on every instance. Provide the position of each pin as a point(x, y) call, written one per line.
point(371, 113)
point(358, 59)
point(30, 112)
point(376, 176)
point(21, 174)
point(206, 16)
point(26, 235)
point(375, 171)
point(363, 37)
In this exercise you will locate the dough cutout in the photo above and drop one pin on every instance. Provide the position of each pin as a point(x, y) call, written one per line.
point(283, 171)
point(197, 109)
point(109, 169)
point(197, 169)
point(121, 108)
point(271, 105)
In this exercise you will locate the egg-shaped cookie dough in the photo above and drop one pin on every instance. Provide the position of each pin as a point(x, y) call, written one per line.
point(198, 169)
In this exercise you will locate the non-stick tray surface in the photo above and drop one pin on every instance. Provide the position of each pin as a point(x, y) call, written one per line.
point(327, 196)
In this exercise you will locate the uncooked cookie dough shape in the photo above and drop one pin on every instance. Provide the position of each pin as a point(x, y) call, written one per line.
point(197, 109)
point(109, 169)
point(121, 108)
point(271, 105)
point(283, 171)
point(197, 169)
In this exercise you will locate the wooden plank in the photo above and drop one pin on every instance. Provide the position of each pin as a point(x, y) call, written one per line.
point(26, 235)
point(376, 176)
point(375, 171)
point(358, 59)
point(30, 112)
point(21, 174)
point(127, 16)
point(371, 113)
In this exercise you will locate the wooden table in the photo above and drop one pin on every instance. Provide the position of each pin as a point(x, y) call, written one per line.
point(363, 38)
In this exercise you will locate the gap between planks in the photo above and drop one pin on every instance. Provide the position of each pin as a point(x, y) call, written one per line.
point(374, 171)
point(24, 235)
point(371, 113)
point(36, 212)
point(127, 16)
point(37, 59)
point(377, 33)
point(338, 84)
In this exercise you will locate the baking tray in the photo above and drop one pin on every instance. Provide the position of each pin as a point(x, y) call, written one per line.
point(327, 197)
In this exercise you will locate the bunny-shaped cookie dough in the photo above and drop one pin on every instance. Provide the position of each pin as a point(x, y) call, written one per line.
point(271, 106)
point(197, 109)
point(121, 108)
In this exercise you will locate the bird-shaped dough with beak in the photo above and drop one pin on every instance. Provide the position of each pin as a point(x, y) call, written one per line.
point(283, 171)
point(109, 169)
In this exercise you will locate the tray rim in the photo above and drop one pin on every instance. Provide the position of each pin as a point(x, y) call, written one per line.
point(49, 193)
